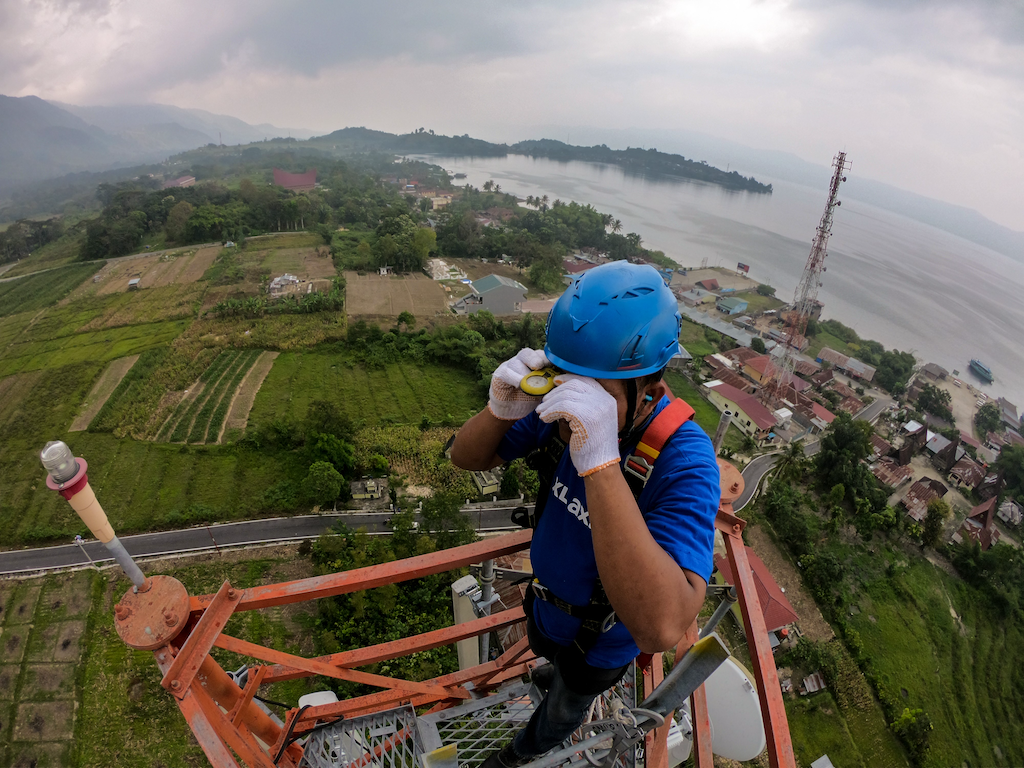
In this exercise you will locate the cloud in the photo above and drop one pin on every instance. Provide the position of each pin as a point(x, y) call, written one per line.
point(925, 94)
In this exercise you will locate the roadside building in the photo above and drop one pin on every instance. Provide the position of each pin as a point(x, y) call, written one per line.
point(751, 417)
point(851, 366)
point(709, 284)
point(731, 305)
point(822, 378)
point(740, 355)
point(696, 297)
point(890, 473)
point(282, 285)
point(181, 181)
point(968, 440)
point(806, 368)
point(812, 416)
point(934, 372)
point(368, 488)
point(680, 361)
point(980, 525)
point(1008, 413)
point(498, 294)
point(1010, 513)
point(880, 447)
point(920, 493)
point(438, 269)
point(762, 368)
point(775, 607)
point(296, 182)
point(967, 474)
point(991, 486)
point(134, 284)
point(486, 482)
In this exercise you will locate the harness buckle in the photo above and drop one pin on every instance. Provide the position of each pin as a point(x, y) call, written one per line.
point(539, 591)
point(639, 467)
point(609, 621)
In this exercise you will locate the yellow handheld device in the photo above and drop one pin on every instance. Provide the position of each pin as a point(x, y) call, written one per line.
point(539, 382)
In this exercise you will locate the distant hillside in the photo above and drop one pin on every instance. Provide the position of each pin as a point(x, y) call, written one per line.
point(43, 140)
point(39, 140)
point(640, 161)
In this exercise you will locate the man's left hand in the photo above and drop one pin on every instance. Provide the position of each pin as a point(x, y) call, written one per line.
point(593, 417)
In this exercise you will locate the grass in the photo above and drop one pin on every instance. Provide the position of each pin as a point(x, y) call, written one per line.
point(56, 254)
point(32, 293)
point(818, 727)
point(210, 378)
point(967, 680)
point(399, 393)
point(691, 337)
point(95, 346)
point(826, 339)
point(758, 303)
point(122, 716)
point(707, 416)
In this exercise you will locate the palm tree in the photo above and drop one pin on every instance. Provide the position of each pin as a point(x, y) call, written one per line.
point(488, 186)
point(616, 226)
point(544, 199)
point(634, 239)
point(497, 187)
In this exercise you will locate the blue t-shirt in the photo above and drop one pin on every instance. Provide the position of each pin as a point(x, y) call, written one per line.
point(679, 504)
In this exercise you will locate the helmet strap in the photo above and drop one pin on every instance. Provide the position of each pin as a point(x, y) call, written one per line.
point(631, 393)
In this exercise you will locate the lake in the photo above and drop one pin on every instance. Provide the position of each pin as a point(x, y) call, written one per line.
point(898, 281)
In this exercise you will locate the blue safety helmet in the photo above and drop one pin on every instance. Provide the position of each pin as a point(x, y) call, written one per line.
point(615, 321)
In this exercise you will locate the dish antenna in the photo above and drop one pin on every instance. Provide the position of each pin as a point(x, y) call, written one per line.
point(737, 730)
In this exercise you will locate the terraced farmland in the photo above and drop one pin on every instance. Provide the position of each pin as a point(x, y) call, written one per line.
point(199, 416)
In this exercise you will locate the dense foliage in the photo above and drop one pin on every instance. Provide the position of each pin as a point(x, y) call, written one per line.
point(935, 401)
point(892, 367)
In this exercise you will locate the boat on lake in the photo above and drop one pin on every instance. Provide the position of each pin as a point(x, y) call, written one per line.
point(981, 370)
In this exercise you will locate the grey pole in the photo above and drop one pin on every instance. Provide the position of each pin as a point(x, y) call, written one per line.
point(81, 545)
point(728, 601)
point(486, 590)
point(723, 427)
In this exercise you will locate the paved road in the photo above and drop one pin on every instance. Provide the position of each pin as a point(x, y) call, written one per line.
point(252, 532)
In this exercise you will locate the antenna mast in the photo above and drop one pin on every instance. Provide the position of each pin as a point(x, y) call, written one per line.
point(806, 296)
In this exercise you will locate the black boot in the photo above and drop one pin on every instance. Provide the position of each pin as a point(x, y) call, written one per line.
point(504, 758)
point(543, 676)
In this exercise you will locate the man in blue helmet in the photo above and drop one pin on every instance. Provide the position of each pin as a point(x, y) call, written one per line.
point(621, 566)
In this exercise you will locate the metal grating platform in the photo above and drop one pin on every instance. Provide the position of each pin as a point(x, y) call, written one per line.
point(480, 726)
point(382, 740)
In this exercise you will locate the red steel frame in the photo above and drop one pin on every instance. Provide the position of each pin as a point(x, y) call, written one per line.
point(227, 723)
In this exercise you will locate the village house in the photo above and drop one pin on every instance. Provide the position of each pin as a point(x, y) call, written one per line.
point(750, 416)
point(967, 474)
point(979, 525)
point(880, 447)
point(920, 493)
point(775, 607)
point(497, 294)
point(1010, 513)
point(848, 365)
point(181, 181)
point(709, 284)
point(890, 473)
point(296, 182)
point(934, 372)
point(1008, 413)
point(731, 305)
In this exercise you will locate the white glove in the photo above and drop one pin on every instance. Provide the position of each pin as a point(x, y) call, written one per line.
point(507, 401)
point(593, 416)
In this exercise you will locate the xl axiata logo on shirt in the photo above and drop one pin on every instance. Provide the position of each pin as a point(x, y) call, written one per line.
point(575, 507)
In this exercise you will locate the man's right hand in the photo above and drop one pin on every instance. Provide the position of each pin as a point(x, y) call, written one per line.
point(507, 401)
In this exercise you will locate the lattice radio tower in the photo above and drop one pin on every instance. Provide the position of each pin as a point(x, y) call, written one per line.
point(775, 390)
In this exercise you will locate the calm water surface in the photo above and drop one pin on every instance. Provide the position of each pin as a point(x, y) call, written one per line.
point(901, 282)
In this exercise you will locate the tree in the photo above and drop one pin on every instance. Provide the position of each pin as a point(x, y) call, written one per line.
point(176, 221)
point(322, 484)
point(407, 319)
point(988, 419)
point(757, 344)
point(423, 242)
point(616, 226)
point(765, 290)
point(326, 232)
point(935, 401)
point(444, 521)
point(913, 728)
point(938, 510)
point(1011, 464)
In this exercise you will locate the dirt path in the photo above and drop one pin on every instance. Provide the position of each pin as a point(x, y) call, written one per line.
point(811, 623)
point(178, 412)
point(101, 390)
point(245, 395)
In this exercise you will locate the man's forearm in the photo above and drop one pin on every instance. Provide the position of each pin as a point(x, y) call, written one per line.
point(476, 444)
point(651, 594)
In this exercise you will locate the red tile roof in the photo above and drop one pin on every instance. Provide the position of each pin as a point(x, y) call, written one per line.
point(968, 440)
point(287, 180)
point(774, 605)
point(708, 285)
point(748, 404)
point(978, 524)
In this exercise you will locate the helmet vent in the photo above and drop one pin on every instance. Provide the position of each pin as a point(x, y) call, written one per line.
point(636, 293)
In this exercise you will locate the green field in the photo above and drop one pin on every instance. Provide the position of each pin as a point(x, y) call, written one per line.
point(72, 694)
point(32, 293)
point(94, 346)
point(691, 336)
point(55, 254)
point(968, 678)
point(401, 393)
point(756, 302)
point(705, 414)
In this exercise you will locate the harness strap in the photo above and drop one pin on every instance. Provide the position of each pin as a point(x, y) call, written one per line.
point(597, 616)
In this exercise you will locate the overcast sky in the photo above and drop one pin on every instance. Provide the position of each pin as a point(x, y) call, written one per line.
point(928, 96)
